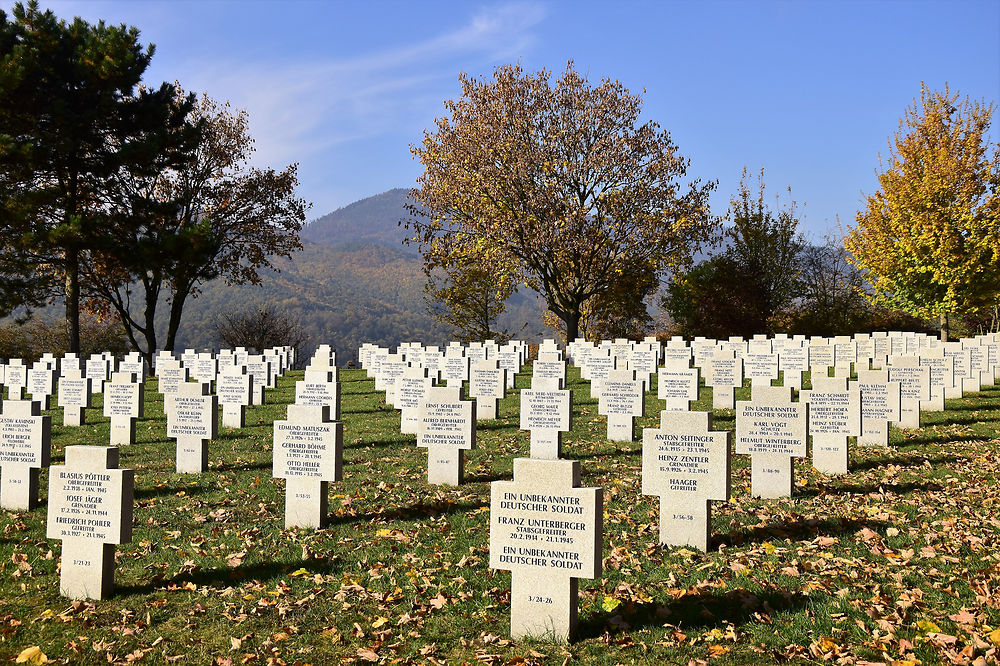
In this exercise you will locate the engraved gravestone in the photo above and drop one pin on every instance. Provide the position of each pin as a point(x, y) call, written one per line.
point(677, 385)
point(793, 361)
point(621, 399)
point(487, 384)
point(41, 384)
point(880, 405)
point(234, 387)
point(90, 510)
point(772, 429)
point(320, 388)
point(74, 397)
point(192, 419)
point(834, 415)
point(25, 445)
point(762, 369)
point(724, 373)
point(447, 429)
point(548, 532)
point(123, 403)
point(171, 375)
point(914, 388)
point(411, 389)
point(16, 379)
point(546, 412)
point(686, 464)
point(308, 454)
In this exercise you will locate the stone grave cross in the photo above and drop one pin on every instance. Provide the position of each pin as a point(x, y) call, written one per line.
point(772, 429)
point(687, 464)
point(724, 373)
point(487, 384)
point(193, 419)
point(621, 398)
point(25, 443)
point(834, 415)
point(234, 386)
point(880, 405)
point(548, 532)
point(123, 403)
point(546, 412)
point(74, 397)
point(447, 429)
point(677, 385)
point(308, 454)
point(41, 384)
point(90, 509)
point(411, 388)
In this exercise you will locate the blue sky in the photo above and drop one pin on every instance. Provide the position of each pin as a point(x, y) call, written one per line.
point(811, 91)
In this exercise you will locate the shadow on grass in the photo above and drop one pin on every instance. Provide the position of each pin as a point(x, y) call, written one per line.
point(618, 451)
point(903, 461)
point(400, 438)
point(881, 487)
point(227, 576)
point(695, 611)
point(245, 466)
point(797, 529)
point(164, 491)
point(496, 424)
point(486, 477)
point(418, 511)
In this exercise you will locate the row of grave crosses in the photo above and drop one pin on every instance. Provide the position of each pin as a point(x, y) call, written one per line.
point(90, 500)
point(685, 462)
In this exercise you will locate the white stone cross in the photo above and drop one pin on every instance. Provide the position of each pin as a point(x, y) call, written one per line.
point(621, 398)
point(74, 397)
point(320, 388)
point(677, 385)
point(234, 387)
point(90, 509)
point(41, 384)
point(724, 373)
point(880, 405)
point(914, 388)
point(687, 464)
point(123, 404)
point(308, 454)
point(546, 412)
point(548, 532)
point(411, 389)
point(834, 415)
point(25, 445)
point(16, 379)
point(773, 430)
point(447, 429)
point(193, 419)
point(488, 385)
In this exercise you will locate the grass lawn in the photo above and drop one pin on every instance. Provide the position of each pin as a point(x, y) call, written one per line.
point(898, 560)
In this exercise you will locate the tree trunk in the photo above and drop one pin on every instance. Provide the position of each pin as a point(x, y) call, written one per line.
point(73, 300)
point(176, 309)
point(944, 327)
point(572, 320)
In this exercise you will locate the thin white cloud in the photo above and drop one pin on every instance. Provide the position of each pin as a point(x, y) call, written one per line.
point(299, 109)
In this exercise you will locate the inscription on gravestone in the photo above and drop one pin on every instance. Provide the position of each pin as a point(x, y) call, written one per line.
point(772, 429)
point(25, 444)
point(687, 465)
point(308, 454)
point(548, 532)
point(90, 509)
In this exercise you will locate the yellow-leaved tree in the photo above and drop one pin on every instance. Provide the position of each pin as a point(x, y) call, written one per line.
point(561, 187)
point(927, 240)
